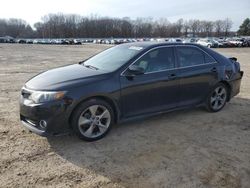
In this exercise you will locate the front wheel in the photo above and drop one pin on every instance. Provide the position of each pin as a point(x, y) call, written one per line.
point(217, 98)
point(93, 119)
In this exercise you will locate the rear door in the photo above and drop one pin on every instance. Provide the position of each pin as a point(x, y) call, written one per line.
point(198, 72)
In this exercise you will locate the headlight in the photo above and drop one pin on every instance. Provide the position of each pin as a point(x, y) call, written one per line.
point(45, 96)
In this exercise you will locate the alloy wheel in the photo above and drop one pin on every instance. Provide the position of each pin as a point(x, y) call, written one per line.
point(94, 121)
point(218, 98)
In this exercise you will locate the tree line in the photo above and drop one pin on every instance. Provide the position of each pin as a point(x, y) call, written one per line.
point(75, 26)
point(15, 28)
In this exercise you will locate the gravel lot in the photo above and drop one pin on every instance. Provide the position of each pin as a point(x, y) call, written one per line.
point(188, 148)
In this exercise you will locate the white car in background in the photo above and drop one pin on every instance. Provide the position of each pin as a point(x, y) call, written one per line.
point(236, 42)
point(205, 42)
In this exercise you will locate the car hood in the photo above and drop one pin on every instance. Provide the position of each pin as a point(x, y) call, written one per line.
point(64, 77)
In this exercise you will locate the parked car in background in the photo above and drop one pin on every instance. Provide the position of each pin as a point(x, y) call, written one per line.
point(218, 42)
point(29, 41)
point(235, 42)
point(245, 42)
point(7, 39)
point(127, 81)
point(210, 43)
point(3, 40)
point(190, 40)
point(77, 41)
point(65, 42)
point(175, 40)
point(21, 41)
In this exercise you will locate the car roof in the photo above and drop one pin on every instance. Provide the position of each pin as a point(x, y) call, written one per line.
point(150, 44)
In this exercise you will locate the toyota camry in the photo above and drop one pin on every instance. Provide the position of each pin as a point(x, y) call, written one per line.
point(125, 82)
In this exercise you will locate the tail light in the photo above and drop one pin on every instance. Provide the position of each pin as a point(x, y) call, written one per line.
point(236, 64)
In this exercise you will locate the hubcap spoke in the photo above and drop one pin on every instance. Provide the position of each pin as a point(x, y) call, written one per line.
point(93, 109)
point(105, 114)
point(102, 127)
point(213, 99)
point(221, 98)
point(217, 90)
point(83, 121)
point(89, 131)
point(216, 104)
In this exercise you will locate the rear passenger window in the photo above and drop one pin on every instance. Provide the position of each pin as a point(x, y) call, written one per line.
point(190, 56)
point(209, 59)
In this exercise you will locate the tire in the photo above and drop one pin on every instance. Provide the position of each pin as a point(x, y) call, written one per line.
point(92, 120)
point(217, 98)
point(209, 46)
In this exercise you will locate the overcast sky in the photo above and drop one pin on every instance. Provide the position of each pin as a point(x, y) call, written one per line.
point(33, 10)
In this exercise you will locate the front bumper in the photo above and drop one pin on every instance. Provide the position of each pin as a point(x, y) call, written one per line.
point(33, 128)
point(55, 114)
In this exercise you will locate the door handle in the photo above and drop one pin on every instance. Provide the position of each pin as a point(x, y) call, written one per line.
point(172, 76)
point(214, 69)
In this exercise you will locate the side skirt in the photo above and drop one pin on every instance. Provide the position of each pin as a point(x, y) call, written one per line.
point(148, 115)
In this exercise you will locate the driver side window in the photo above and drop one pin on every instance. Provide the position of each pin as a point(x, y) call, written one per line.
point(157, 60)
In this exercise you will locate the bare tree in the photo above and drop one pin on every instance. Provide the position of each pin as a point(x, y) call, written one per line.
point(194, 26)
point(15, 28)
point(226, 27)
point(160, 28)
point(179, 26)
point(186, 28)
point(206, 28)
point(218, 24)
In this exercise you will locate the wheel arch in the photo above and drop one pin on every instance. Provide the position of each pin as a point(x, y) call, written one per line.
point(229, 89)
point(111, 102)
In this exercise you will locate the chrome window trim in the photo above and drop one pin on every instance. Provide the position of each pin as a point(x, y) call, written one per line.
point(176, 68)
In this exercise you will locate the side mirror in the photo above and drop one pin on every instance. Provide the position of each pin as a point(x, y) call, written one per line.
point(136, 70)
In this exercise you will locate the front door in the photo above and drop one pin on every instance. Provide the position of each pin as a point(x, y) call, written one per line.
point(156, 89)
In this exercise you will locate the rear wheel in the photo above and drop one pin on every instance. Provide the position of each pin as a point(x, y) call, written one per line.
point(93, 119)
point(217, 98)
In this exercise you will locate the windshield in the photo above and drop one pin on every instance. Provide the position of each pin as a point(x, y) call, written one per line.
point(112, 58)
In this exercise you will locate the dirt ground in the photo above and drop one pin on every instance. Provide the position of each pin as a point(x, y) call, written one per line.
point(188, 148)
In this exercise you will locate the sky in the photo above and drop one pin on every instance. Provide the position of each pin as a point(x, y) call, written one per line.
point(32, 10)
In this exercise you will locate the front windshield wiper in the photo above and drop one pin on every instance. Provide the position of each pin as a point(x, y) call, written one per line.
point(81, 62)
point(90, 66)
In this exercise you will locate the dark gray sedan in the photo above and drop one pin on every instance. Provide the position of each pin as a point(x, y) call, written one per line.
point(125, 82)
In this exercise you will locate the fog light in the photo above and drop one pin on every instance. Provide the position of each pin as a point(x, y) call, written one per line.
point(43, 124)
